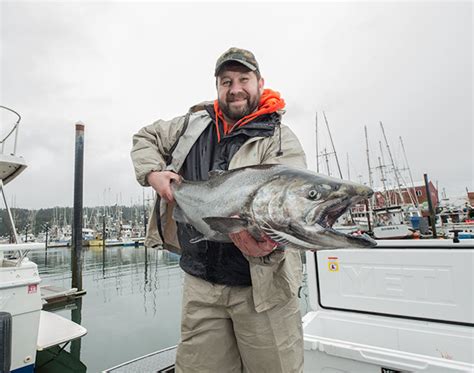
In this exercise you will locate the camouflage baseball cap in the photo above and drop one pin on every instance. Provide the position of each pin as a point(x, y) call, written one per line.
point(242, 56)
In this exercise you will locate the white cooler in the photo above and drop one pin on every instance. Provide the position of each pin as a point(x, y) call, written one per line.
point(406, 307)
point(20, 296)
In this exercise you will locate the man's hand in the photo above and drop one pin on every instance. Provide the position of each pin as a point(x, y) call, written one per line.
point(249, 246)
point(160, 181)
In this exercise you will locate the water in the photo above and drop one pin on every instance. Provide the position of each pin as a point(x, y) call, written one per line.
point(132, 306)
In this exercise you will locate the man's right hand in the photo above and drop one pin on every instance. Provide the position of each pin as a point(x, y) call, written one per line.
point(160, 181)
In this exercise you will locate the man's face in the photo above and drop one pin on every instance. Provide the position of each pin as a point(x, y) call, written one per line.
point(238, 91)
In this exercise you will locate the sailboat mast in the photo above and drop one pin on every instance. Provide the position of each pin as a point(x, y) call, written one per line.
point(317, 145)
point(382, 165)
point(348, 168)
point(327, 161)
point(371, 182)
point(415, 197)
point(382, 178)
point(332, 144)
point(395, 171)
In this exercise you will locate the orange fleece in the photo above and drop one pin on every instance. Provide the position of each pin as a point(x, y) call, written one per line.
point(270, 101)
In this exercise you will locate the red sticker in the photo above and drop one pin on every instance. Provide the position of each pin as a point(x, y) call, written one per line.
point(32, 289)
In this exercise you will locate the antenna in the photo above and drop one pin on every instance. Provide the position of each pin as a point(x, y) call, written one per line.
point(332, 144)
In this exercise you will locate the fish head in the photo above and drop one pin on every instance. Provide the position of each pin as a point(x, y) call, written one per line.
point(298, 208)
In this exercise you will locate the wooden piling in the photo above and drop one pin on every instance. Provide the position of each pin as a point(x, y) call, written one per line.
point(76, 255)
point(430, 206)
point(104, 237)
point(46, 228)
point(76, 316)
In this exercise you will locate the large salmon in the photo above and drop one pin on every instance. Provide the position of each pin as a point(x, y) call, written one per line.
point(295, 207)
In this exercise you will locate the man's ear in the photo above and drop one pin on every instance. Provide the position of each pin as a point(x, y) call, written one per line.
point(261, 83)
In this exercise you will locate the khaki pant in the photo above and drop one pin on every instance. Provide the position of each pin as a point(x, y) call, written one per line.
point(222, 332)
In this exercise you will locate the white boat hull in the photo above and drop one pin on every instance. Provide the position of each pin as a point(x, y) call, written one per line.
point(20, 296)
point(10, 167)
point(387, 232)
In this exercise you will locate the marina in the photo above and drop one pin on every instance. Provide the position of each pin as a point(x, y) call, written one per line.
point(367, 316)
point(102, 301)
point(133, 298)
point(348, 145)
point(51, 299)
point(131, 306)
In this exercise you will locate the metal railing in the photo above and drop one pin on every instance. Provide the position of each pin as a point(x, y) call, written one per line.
point(14, 131)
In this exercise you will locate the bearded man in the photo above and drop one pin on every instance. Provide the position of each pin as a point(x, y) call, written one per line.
point(240, 307)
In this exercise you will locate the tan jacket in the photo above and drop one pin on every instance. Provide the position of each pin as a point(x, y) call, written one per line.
point(276, 277)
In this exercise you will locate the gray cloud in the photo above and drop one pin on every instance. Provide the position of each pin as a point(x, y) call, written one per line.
point(117, 66)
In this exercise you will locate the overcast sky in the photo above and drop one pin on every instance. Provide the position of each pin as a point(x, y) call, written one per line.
point(117, 66)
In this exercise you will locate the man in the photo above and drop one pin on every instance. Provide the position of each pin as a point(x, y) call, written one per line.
point(240, 307)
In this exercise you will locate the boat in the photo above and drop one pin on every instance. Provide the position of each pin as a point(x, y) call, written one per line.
point(24, 326)
point(393, 222)
point(404, 306)
point(456, 219)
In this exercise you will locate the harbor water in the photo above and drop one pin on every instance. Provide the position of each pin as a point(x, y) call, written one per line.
point(132, 306)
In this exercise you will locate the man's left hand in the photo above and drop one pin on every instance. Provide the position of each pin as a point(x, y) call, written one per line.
point(249, 246)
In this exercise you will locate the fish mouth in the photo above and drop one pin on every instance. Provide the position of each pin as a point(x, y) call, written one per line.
point(326, 213)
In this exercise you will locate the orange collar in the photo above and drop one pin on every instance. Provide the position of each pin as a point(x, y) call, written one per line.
point(270, 101)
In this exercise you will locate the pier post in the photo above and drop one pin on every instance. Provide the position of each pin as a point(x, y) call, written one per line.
point(367, 209)
point(76, 255)
point(430, 206)
point(104, 237)
point(76, 316)
point(46, 228)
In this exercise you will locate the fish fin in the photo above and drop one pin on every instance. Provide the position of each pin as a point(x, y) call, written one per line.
point(178, 215)
point(214, 173)
point(226, 225)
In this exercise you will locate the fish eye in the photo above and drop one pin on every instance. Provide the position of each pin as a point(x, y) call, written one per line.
point(313, 194)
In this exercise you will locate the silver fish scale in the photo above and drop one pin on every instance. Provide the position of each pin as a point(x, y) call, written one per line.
point(223, 195)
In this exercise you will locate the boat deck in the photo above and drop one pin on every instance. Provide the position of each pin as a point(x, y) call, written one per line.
point(158, 362)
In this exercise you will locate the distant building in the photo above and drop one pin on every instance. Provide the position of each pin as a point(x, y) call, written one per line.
point(470, 197)
point(393, 197)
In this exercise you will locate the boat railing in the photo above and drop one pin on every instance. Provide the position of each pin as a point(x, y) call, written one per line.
point(10, 167)
point(20, 251)
point(13, 133)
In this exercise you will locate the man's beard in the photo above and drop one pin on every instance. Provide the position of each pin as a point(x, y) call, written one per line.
point(237, 114)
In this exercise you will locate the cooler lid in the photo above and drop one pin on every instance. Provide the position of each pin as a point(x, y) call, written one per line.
point(430, 284)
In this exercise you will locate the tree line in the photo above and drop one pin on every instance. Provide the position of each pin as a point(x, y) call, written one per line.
point(36, 221)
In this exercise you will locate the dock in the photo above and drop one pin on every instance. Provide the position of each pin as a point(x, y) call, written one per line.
point(55, 297)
